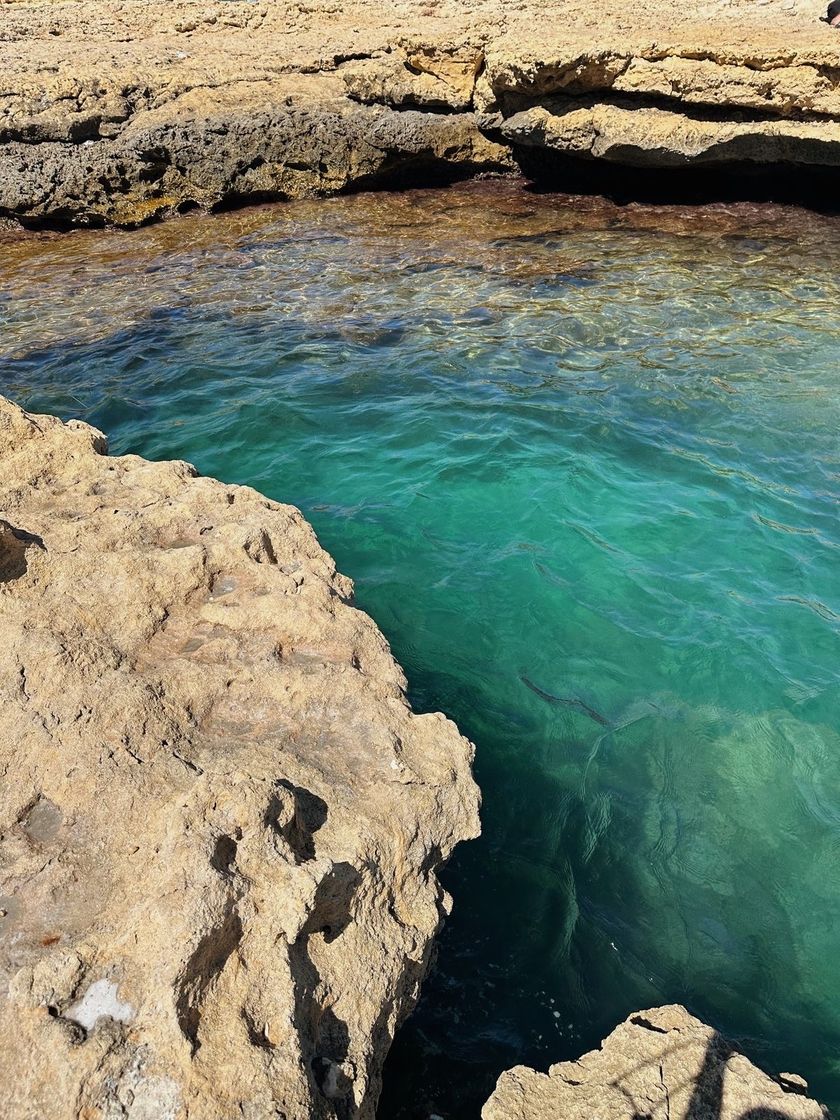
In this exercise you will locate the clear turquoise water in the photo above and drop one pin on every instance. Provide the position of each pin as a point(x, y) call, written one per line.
point(583, 465)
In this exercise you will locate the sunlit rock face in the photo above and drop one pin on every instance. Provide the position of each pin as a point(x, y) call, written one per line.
point(662, 1064)
point(114, 112)
point(219, 819)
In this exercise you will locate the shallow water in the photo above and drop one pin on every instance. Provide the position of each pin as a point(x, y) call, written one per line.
point(583, 464)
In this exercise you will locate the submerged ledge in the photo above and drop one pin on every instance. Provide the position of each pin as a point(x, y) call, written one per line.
point(117, 113)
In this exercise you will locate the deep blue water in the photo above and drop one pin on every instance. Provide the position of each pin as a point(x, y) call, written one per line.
point(583, 465)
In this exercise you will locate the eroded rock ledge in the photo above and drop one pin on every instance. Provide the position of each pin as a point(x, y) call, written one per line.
point(661, 1064)
point(219, 819)
point(119, 111)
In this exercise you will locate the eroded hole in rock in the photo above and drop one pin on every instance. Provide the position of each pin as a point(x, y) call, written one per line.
point(42, 821)
point(260, 549)
point(327, 1035)
point(256, 1033)
point(335, 1080)
point(332, 909)
point(298, 821)
point(224, 854)
point(13, 547)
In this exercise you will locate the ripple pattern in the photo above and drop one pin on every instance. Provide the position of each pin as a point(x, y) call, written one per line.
point(583, 463)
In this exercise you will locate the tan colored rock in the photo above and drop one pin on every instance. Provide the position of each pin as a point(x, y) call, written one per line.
point(395, 81)
point(457, 66)
point(782, 90)
point(219, 819)
point(647, 137)
point(661, 1064)
point(117, 111)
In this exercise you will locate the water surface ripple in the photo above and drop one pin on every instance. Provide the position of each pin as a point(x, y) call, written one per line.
point(583, 464)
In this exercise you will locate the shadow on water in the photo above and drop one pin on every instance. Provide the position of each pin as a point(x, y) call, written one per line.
point(484, 1007)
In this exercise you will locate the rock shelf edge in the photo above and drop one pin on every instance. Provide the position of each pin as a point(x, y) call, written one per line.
point(220, 821)
point(114, 112)
point(660, 1064)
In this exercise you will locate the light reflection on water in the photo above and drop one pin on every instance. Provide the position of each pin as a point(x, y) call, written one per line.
point(582, 463)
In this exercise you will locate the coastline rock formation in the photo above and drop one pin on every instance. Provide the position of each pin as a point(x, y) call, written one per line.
point(117, 112)
point(219, 819)
point(661, 1064)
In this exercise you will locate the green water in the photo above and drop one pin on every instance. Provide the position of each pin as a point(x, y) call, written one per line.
point(583, 465)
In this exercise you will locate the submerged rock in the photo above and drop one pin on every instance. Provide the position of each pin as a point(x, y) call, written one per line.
point(661, 1064)
point(219, 819)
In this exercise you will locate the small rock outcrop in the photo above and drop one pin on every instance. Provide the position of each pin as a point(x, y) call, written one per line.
point(117, 112)
point(661, 1064)
point(219, 819)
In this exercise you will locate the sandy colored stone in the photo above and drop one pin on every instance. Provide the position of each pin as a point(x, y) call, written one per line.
point(661, 1064)
point(118, 111)
point(219, 819)
point(649, 137)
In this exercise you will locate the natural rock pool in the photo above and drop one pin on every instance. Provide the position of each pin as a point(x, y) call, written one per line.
point(583, 464)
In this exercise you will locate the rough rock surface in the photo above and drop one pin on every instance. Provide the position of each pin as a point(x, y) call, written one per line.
point(120, 110)
point(219, 819)
point(661, 1064)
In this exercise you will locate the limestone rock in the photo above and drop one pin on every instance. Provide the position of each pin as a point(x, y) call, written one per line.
point(219, 819)
point(117, 112)
point(288, 140)
point(649, 137)
point(662, 1064)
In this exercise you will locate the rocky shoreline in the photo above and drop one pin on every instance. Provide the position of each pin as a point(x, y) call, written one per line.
point(220, 822)
point(115, 111)
point(661, 1064)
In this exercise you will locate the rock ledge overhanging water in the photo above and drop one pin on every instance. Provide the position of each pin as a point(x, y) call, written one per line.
point(219, 819)
point(118, 112)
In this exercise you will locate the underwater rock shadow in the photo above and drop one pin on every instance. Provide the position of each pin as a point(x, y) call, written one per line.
point(579, 870)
